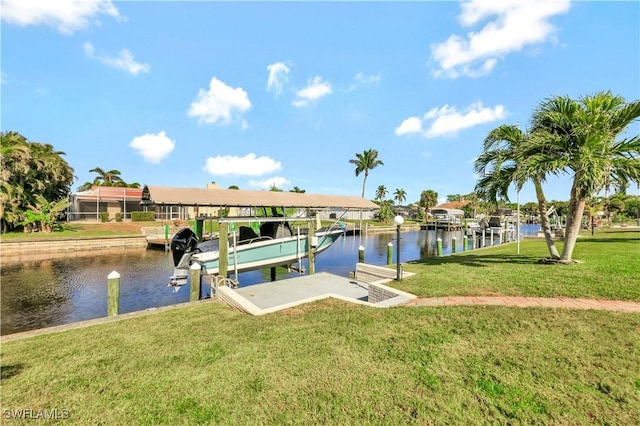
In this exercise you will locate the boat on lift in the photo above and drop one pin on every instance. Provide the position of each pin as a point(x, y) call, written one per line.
point(275, 244)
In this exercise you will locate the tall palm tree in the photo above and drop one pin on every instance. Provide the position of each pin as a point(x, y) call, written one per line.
point(400, 195)
point(381, 193)
point(581, 137)
point(364, 162)
point(503, 162)
point(428, 200)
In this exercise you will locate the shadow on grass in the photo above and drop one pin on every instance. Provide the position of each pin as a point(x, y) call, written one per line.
point(8, 371)
point(477, 260)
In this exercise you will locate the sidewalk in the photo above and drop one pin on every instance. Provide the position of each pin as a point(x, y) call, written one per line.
point(524, 302)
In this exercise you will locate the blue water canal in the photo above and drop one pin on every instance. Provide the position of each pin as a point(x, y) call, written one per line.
point(45, 293)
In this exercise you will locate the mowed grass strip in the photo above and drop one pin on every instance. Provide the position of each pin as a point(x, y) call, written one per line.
point(608, 268)
point(334, 363)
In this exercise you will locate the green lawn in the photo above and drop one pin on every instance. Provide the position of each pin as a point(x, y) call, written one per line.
point(609, 268)
point(332, 362)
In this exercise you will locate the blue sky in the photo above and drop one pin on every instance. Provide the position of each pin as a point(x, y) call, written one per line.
point(255, 94)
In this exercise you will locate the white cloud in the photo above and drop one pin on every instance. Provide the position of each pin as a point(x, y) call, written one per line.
point(124, 61)
point(277, 181)
point(219, 103)
point(278, 77)
point(66, 16)
point(249, 165)
point(512, 25)
point(447, 120)
point(408, 126)
point(153, 147)
point(361, 80)
point(316, 88)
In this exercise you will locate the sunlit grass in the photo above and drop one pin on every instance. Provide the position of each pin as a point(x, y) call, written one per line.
point(608, 268)
point(332, 362)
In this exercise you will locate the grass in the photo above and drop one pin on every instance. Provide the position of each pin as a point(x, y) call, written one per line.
point(334, 363)
point(609, 268)
point(84, 229)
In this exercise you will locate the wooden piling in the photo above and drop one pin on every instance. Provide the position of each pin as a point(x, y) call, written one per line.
point(389, 253)
point(312, 242)
point(223, 249)
point(361, 254)
point(196, 282)
point(113, 293)
point(453, 244)
point(439, 246)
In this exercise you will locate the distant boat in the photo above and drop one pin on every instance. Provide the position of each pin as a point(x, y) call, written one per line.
point(276, 245)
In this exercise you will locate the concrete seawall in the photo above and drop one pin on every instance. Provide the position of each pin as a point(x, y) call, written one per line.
point(50, 248)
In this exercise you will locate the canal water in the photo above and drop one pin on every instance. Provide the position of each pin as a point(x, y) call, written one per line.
point(44, 293)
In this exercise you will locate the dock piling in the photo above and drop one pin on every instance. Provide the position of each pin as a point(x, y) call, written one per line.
point(453, 244)
point(389, 253)
point(361, 254)
point(196, 282)
point(113, 293)
point(439, 246)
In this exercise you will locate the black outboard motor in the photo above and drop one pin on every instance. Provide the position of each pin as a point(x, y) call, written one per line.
point(185, 241)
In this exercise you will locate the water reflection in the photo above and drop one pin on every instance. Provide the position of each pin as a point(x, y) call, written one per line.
point(42, 293)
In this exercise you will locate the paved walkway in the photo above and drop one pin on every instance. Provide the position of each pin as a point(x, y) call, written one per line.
point(524, 302)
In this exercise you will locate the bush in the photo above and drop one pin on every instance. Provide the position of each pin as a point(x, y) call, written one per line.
point(143, 216)
point(104, 216)
point(118, 217)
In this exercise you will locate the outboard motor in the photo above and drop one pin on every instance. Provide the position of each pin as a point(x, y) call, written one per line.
point(185, 241)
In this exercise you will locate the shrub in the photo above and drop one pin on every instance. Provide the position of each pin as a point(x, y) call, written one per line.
point(104, 216)
point(118, 217)
point(143, 216)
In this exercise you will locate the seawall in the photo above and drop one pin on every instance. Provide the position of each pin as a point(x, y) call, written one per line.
point(51, 248)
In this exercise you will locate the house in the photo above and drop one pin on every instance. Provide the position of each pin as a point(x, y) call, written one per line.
point(87, 205)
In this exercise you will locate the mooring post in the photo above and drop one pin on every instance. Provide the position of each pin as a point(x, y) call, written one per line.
point(389, 253)
point(113, 293)
point(223, 250)
point(166, 237)
point(484, 238)
point(196, 282)
point(273, 273)
point(439, 246)
point(361, 254)
point(453, 244)
point(312, 243)
point(465, 241)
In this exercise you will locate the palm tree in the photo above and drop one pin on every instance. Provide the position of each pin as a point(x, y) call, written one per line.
point(400, 195)
point(581, 137)
point(501, 163)
point(364, 162)
point(106, 178)
point(381, 193)
point(428, 200)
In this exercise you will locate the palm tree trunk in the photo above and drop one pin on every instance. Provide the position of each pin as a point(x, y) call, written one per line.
point(364, 182)
point(545, 225)
point(574, 220)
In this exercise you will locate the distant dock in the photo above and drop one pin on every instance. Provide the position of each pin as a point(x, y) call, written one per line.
point(447, 226)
